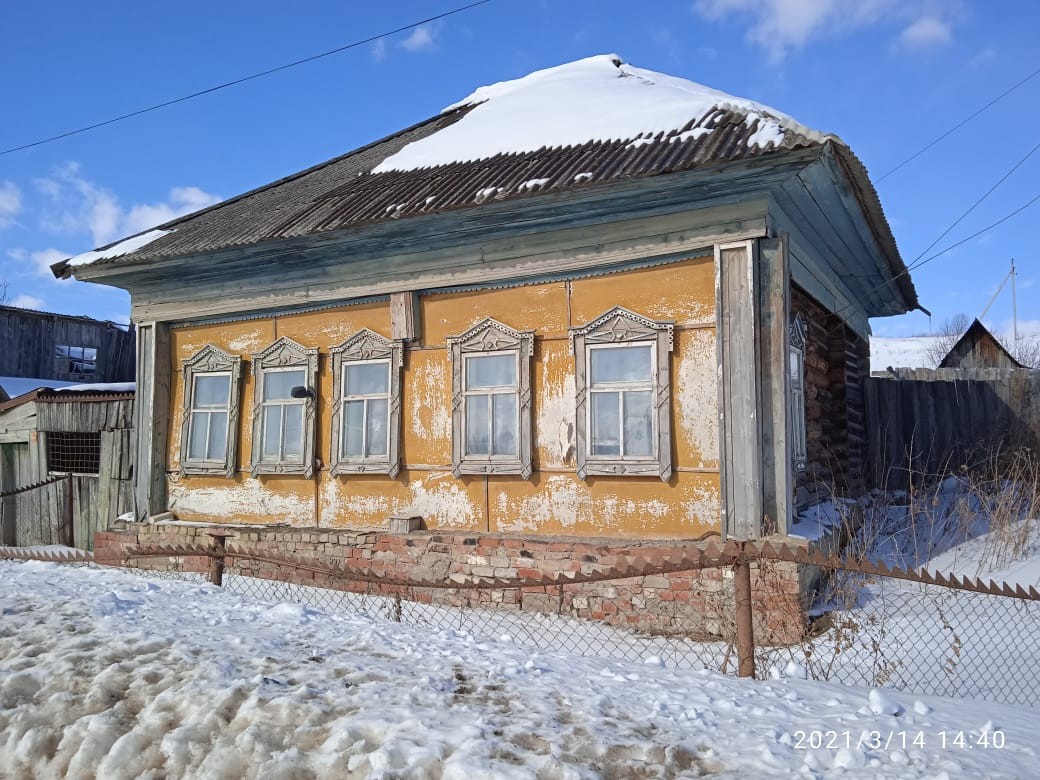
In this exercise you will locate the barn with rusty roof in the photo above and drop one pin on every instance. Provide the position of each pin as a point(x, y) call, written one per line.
point(596, 301)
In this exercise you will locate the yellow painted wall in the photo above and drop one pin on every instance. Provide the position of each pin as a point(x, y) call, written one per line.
point(554, 500)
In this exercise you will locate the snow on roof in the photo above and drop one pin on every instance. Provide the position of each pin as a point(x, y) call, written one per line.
point(599, 98)
point(20, 385)
point(100, 387)
point(124, 247)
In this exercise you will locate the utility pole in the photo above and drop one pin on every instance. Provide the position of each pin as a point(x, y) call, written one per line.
point(1014, 304)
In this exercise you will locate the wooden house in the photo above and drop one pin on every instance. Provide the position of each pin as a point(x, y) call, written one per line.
point(78, 440)
point(654, 327)
point(978, 348)
point(40, 349)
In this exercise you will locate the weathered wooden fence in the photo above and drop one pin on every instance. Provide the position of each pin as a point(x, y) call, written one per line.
point(923, 421)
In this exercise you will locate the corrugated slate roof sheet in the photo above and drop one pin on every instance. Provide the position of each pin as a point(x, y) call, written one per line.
point(342, 193)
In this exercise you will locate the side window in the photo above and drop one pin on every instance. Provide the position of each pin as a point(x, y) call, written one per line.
point(796, 351)
point(491, 400)
point(366, 414)
point(76, 360)
point(209, 422)
point(622, 376)
point(284, 388)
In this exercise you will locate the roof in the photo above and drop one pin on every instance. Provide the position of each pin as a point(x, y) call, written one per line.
point(90, 394)
point(563, 129)
point(80, 317)
point(986, 347)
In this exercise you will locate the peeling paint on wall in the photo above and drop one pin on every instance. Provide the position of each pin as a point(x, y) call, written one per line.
point(247, 501)
point(704, 507)
point(440, 499)
point(696, 396)
point(343, 507)
point(554, 428)
point(428, 384)
point(249, 341)
point(559, 501)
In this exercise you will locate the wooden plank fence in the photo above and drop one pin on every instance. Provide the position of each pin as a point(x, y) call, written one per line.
point(924, 421)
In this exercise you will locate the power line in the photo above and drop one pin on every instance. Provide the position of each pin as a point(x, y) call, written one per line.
point(958, 126)
point(244, 79)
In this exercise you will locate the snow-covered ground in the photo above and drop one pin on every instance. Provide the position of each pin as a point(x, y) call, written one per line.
point(104, 674)
point(910, 352)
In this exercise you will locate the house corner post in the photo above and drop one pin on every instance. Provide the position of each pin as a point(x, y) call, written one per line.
point(740, 435)
point(151, 417)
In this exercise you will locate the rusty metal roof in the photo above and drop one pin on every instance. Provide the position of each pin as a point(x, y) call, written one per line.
point(343, 193)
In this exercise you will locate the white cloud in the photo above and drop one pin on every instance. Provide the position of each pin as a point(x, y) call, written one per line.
point(10, 203)
point(783, 26)
point(379, 50)
point(420, 39)
point(986, 55)
point(24, 301)
point(39, 262)
point(928, 32)
point(78, 205)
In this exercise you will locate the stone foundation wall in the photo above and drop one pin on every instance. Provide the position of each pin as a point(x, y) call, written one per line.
point(698, 604)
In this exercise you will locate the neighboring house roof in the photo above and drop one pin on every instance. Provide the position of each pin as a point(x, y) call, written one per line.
point(37, 313)
point(578, 125)
point(69, 393)
point(18, 385)
point(978, 348)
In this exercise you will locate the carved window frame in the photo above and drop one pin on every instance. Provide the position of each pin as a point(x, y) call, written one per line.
point(367, 346)
point(797, 333)
point(211, 360)
point(285, 353)
point(622, 327)
point(486, 337)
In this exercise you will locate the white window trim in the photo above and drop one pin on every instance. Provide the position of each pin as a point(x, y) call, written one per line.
point(285, 354)
point(621, 327)
point(367, 346)
point(211, 361)
point(490, 337)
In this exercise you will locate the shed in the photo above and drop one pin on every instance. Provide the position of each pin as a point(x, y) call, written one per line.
point(76, 438)
point(978, 348)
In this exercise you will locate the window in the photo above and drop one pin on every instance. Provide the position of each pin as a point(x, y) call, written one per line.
point(74, 453)
point(209, 424)
point(796, 351)
point(75, 360)
point(284, 387)
point(366, 416)
point(491, 400)
point(623, 420)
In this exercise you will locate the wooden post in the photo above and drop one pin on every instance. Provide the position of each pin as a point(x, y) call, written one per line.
point(745, 630)
point(216, 564)
point(69, 537)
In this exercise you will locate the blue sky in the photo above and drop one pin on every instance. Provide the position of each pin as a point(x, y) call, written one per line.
point(888, 76)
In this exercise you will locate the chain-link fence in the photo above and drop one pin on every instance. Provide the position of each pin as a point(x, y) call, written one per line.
point(873, 626)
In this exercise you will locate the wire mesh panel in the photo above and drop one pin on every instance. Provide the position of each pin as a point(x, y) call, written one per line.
point(73, 453)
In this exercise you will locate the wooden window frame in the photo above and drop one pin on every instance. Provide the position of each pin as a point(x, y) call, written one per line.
point(367, 346)
point(797, 333)
point(488, 337)
point(211, 360)
point(285, 353)
point(622, 327)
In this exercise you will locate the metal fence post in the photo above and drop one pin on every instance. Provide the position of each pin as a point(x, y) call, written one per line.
point(216, 561)
point(745, 631)
point(68, 533)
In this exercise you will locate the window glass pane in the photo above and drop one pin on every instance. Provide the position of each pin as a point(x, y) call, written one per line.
point(490, 371)
point(796, 368)
point(367, 378)
point(621, 364)
point(272, 431)
point(353, 428)
point(377, 424)
point(217, 446)
point(504, 405)
point(197, 436)
point(277, 384)
point(293, 445)
point(605, 424)
point(212, 390)
point(478, 434)
point(639, 426)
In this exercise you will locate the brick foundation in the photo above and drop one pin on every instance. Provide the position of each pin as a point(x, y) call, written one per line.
point(697, 604)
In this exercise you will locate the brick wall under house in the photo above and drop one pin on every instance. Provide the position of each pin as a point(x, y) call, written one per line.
point(836, 362)
point(697, 604)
